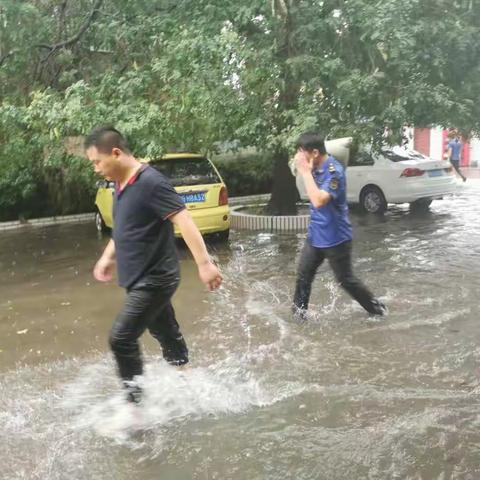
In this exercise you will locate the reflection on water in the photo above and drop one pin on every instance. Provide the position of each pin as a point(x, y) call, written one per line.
point(337, 397)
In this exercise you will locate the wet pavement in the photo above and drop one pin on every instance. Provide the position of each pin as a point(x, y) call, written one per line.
point(341, 396)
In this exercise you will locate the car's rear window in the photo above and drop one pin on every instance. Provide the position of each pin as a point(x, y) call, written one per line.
point(400, 154)
point(187, 171)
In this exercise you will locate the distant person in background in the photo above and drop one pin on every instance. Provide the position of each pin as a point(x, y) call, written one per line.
point(454, 154)
point(407, 137)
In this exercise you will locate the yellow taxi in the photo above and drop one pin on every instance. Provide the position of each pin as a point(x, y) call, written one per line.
point(197, 181)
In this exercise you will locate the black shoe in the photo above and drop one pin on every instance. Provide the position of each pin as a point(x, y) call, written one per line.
point(299, 314)
point(378, 308)
point(176, 362)
point(134, 392)
point(175, 351)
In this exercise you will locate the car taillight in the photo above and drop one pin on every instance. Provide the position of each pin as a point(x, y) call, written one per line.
point(223, 197)
point(412, 172)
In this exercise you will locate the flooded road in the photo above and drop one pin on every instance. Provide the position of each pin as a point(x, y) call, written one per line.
point(338, 397)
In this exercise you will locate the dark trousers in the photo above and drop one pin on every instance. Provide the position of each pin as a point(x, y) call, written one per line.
point(340, 261)
point(146, 307)
point(456, 166)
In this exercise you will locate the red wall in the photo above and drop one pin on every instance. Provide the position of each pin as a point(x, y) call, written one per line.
point(421, 140)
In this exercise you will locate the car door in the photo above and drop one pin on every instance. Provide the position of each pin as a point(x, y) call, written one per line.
point(104, 201)
point(358, 174)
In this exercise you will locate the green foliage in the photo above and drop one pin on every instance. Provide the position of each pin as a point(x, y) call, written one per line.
point(246, 174)
point(37, 176)
point(18, 178)
point(187, 75)
point(70, 183)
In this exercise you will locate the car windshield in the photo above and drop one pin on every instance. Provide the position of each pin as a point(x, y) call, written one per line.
point(399, 154)
point(187, 171)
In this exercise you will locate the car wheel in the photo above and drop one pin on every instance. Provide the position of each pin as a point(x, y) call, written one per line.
point(372, 200)
point(421, 205)
point(99, 223)
point(223, 236)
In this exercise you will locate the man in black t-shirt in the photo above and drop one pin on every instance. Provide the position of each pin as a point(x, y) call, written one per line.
point(143, 247)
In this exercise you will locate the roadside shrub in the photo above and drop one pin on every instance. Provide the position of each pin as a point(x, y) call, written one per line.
point(246, 174)
point(70, 183)
point(20, 191)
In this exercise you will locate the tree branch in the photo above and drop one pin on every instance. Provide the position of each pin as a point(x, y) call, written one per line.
point(61, 22)
point(5, 57)
point(78, 35)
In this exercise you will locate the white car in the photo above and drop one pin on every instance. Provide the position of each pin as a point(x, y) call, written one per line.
point(396, 175)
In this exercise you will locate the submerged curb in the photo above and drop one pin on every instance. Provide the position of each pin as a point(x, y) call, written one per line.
point(47, 221)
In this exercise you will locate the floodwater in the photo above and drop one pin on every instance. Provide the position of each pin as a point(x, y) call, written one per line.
point(341, 396)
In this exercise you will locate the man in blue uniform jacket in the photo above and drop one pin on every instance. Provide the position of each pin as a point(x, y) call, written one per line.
point(330, 232)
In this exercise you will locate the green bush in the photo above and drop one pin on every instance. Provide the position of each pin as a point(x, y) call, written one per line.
point(20, 188)
point(65, 185)
point(37, 176)
point(245, 174)
point(70, 182)
point(19, 191)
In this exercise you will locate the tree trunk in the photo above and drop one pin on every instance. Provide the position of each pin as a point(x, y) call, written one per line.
point(284, 190)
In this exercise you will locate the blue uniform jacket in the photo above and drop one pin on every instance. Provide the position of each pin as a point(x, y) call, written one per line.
point(330, 225)
point(456, 147)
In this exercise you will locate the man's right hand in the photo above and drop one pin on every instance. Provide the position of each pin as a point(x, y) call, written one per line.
point(304, 165)
point(103, 270)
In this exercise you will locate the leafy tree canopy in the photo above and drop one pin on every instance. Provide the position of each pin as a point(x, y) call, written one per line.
point(188, 74)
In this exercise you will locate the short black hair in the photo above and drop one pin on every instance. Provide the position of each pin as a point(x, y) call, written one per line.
point(106, 138)
point(310, 141)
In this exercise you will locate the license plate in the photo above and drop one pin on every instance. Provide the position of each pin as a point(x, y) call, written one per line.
point(193, 197)
point(435, 173)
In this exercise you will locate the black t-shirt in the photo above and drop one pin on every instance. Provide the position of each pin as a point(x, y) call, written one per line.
point(143, 235)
